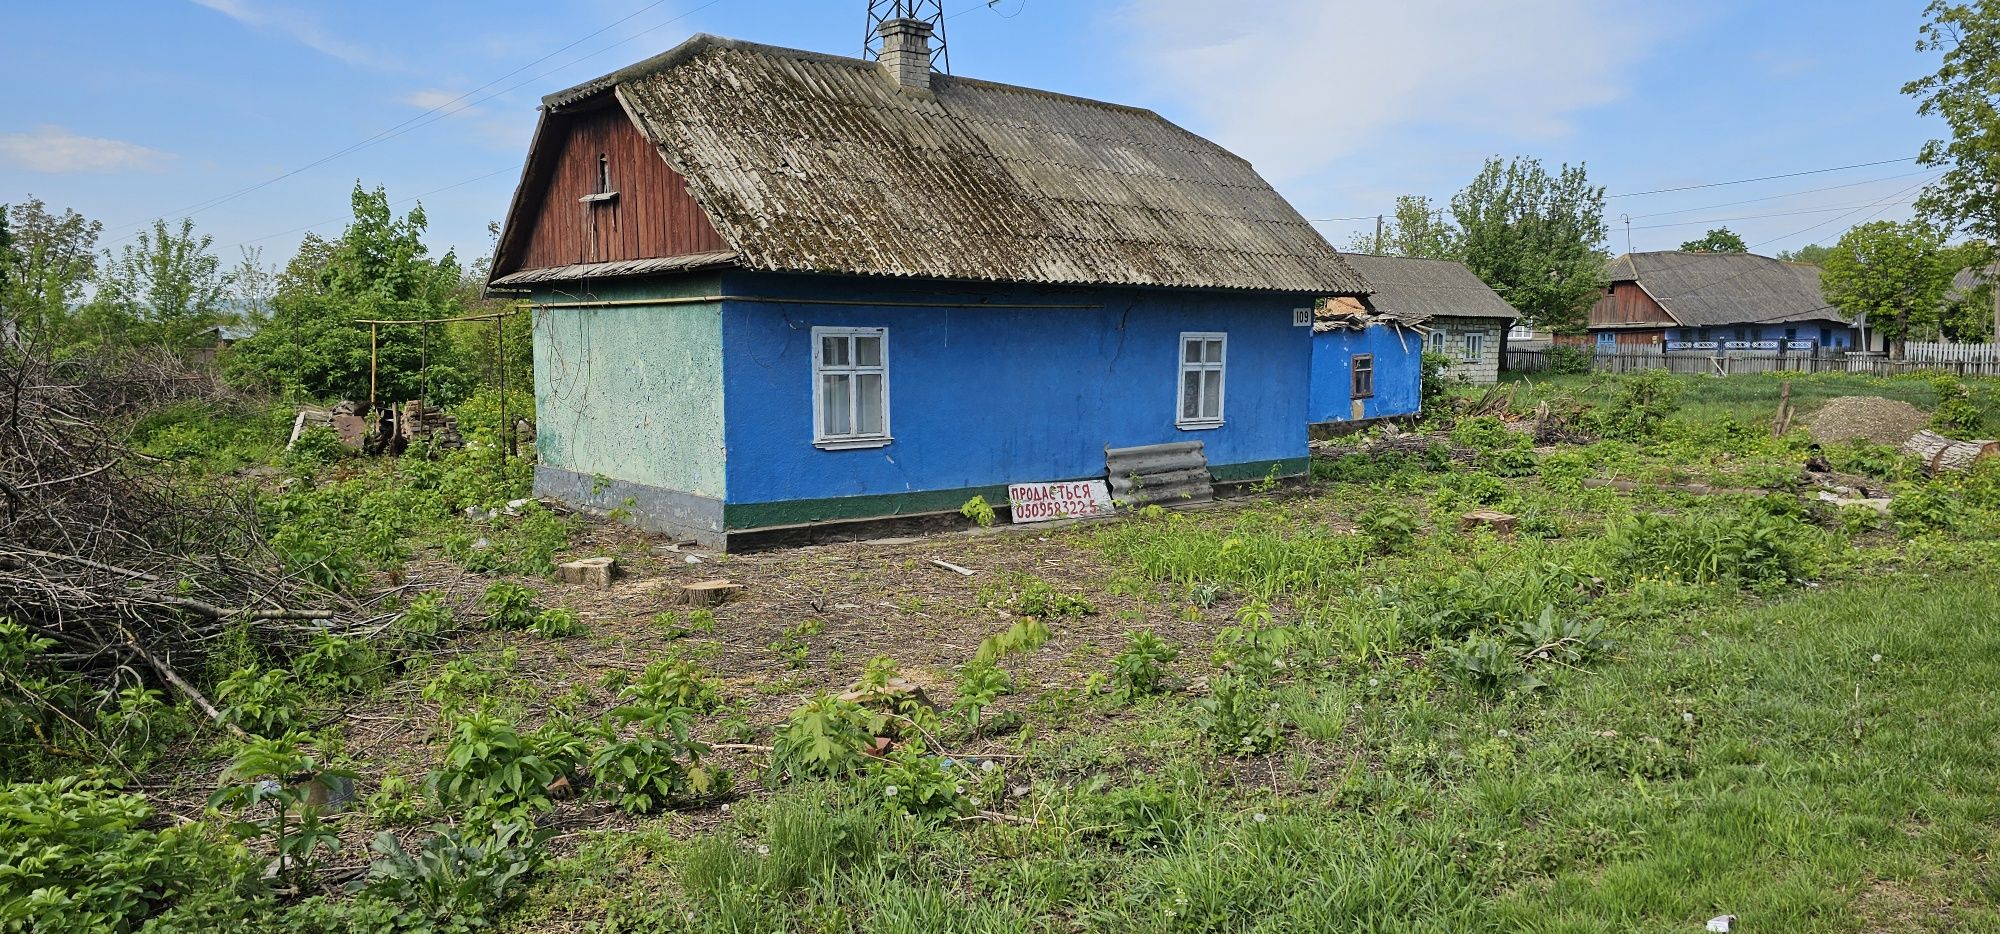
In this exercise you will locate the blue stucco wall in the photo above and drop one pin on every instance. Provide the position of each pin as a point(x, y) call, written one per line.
point(1398, 373)
point(980, 397)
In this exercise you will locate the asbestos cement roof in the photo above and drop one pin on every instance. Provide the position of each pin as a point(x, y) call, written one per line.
point(817, 163)
point(1416, 289)
point(1721, 289)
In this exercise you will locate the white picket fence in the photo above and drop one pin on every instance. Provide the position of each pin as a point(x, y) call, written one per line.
point(1944, 352)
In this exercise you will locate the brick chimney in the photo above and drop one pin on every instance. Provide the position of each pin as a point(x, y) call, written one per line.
point(906, 53)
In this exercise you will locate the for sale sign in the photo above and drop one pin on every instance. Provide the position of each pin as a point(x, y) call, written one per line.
point(1040, 502)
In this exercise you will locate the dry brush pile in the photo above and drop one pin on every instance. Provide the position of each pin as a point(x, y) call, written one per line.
point(125, 566)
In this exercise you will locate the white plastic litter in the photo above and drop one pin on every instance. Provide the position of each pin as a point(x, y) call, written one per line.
point(1722, 924)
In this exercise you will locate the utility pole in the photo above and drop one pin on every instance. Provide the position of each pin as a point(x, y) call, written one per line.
point(1378, 246)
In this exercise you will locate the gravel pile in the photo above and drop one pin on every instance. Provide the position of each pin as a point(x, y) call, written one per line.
point(1872, 418)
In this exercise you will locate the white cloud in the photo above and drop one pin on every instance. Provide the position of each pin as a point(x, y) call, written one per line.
point(302, 28)
point(58, 150)
point(1294, 85)
point(434, 98)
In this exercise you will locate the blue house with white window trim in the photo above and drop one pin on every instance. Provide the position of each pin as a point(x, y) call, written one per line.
point(777, 291)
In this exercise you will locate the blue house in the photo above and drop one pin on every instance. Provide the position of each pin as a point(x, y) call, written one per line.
point(1365, 365)
point(1718, 303)
point(777, 291)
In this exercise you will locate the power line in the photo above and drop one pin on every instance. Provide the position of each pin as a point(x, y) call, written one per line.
point(1879, 206)
point(400, 201)
point(439, 112)
point(1788, 194)
point(1753, 217)
point(1765, 178)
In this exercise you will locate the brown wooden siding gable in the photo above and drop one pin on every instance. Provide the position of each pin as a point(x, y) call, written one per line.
point(1627, 304)
point(652, 215)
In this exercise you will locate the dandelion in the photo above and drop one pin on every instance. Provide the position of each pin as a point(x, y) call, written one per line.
point(725, 809)
point(987, 766)
point(1246, 739)
point(889, 792)
point(1259, 817)
point(763, 849)
point(1374, 683)
point(1500, 733)
point(1877, 658)
point(958, 789)
point(974, 799)
point(1687, 716)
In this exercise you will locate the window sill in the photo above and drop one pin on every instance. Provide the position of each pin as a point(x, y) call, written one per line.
point(1198, 426)
point(849, 444)
point(599, 196)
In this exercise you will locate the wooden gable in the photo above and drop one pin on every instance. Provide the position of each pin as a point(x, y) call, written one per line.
point(1625, 304)
point(597, 191)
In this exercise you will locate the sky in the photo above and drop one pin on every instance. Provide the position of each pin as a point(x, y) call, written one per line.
point(257, 117)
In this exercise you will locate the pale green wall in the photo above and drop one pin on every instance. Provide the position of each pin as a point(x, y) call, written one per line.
point(632, 392)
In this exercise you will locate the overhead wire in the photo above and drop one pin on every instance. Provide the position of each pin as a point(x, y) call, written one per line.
point(439, 112)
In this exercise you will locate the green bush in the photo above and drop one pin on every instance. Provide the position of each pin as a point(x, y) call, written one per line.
point(1751, 548)
point(491, 774)
point(1240, 719)
point(455, 881)
point(1141, 670)
point(75, 855)
point(1955, 413)
point(1570, 359)
point(509, 606)
point(264, 702)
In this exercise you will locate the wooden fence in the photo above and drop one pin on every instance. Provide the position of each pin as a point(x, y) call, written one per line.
point(1954, 359)
point(1928, 352)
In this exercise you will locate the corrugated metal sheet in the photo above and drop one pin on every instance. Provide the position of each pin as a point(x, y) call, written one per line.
point(816, 163)
point(1415, 289)
point(1167, 474)
point(1721, 289)
point(630, 267)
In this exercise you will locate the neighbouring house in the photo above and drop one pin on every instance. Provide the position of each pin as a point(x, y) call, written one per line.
point(1467, 320)
point(1365, 365)
point(776, 291)
point(1670, 301)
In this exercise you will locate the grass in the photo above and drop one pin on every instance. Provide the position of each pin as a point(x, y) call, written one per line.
point(1642, 709)
point(1753, 398)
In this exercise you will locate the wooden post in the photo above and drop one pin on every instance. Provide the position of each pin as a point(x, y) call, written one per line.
point(500, 374)
point(371, 363)
point(424, 373)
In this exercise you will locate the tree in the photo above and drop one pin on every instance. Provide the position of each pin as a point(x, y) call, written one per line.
point(1418, 229)
point(1534, 237)
point(253, 287)
point(167, 289)
point(53, 259)
point(314, 346)
point(1719, 240)
point(1811, 253)
point(1891, 276)
point(1963, 91)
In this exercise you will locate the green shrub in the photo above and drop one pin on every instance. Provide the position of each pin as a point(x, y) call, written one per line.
point(1643, 402)
point(266, 703)
point(1955, 413)
point(674, 684)
point(557, 622)
point(979, 511)
point(659, 765)
point(1390, 527)
point(823, 738)
point(456, 881)
point(1025, 635)
point(75, 855)
point(1746, 548)
point(1241, 720)
point(1570, 359)
point(509, 606)
point(1141, 670)
point(277, 776)
point(911, 781)
point(491, 774)
point(977, 686)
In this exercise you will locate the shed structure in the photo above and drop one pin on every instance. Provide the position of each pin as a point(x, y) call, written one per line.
point(1366, 366)
point(777, 291)
point(1467, 320)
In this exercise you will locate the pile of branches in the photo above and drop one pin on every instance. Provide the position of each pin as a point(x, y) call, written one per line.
point(125, 567)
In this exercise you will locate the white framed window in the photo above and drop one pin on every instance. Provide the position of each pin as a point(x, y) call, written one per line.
point(1475, 344)
point(1204, 355)
point(1438, 339)
point(850, 387)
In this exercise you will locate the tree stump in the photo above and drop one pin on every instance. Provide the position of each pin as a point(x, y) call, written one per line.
point(1494, 519)
point(709, 593)
point(592, 572)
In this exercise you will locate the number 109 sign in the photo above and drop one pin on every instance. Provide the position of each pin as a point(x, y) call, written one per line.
point(1041, 502)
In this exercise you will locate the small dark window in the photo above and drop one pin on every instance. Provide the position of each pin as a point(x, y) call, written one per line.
point(1364, 376)
point(1610, 290)
point(603, 174)
point(1791, 334)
